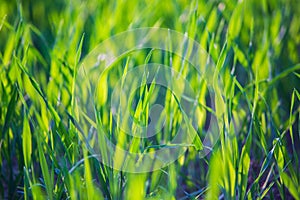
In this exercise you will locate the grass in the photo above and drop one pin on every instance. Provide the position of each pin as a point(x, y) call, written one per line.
point(43, 142)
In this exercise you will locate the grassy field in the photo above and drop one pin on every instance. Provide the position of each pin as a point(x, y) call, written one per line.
point(48, 148)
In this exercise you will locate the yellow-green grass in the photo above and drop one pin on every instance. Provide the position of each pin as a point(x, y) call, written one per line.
point(256, 48)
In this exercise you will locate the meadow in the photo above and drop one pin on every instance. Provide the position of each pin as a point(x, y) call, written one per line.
point(237, 115)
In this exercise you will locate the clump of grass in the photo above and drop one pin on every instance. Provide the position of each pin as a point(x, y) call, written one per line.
point(255, 46)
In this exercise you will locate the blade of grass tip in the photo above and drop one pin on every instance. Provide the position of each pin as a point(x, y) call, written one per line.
point(8, 26)
point(297, 74)
point(77, 58)
point(219, 65)
point(267, 161)
point(235, 23)
point(268, 176)
point(9, 47)
point(265, 192)
point(2, 21)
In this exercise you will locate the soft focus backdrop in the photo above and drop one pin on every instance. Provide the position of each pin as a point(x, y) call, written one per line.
point(256, 47)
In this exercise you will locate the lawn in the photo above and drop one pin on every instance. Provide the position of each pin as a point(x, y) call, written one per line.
point(149, 99)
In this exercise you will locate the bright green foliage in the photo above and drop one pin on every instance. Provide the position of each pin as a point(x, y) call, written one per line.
point(43, 148)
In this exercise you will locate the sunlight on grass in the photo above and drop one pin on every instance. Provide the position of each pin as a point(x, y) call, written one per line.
point(248, 94)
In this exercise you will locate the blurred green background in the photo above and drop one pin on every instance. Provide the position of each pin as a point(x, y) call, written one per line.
point(255, 45)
